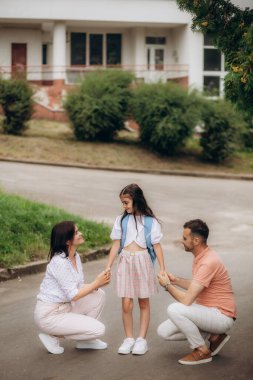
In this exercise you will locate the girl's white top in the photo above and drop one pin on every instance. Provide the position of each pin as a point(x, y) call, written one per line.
point(62, 281)
point(136, 234)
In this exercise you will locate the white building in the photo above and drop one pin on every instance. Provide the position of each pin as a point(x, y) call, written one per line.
point(58, 40)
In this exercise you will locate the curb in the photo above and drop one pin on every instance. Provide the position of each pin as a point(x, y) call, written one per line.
point(40, 266)
point(184, 173)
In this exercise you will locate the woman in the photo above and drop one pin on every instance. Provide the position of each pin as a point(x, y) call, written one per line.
point(66, 307)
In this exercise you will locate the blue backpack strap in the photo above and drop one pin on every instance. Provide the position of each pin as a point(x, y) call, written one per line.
point(148, 221)
point(124, 232)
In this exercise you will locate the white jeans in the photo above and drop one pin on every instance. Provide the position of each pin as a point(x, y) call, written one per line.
point(73, 320)
point(193, 323)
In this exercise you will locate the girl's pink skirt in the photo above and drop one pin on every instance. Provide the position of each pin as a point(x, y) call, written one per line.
point(135, 275)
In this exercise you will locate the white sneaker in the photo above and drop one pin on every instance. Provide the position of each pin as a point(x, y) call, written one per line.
point(140, 347)
point(126, 346)
point(95, 344)
point(51, 343)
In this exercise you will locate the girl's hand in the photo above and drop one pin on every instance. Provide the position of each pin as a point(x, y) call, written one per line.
point(162, 272)
point(163, 279)
point(103, 279)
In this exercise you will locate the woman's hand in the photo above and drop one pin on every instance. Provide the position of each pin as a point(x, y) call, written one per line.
point(103, 279)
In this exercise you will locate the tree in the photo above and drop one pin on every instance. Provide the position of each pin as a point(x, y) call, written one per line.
point(231, 29)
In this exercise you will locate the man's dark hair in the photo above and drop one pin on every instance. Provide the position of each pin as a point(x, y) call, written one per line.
point(198, 228)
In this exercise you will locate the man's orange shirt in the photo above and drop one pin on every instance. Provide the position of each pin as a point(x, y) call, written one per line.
point(209, 271)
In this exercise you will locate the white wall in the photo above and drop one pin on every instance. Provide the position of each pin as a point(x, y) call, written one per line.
point(33, 38)
point(153, 11)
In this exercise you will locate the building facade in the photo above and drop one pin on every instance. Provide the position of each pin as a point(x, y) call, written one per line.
point(60, 41)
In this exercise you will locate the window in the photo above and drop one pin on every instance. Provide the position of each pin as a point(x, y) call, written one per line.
point(101, 49)
point(212, 60)
point(155, 40)
point(113, 49)
point(208, 41)
point(213, 68)
point(78, 48)
point(96, 49)
point(212, 85)
point(159, 59)
point(44, 54)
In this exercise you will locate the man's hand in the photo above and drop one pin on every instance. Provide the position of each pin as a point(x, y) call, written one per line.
point(163, 279)
point(172, 278)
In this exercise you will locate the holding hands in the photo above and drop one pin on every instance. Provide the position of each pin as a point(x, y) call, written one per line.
point(103, 278)
point(163, 279)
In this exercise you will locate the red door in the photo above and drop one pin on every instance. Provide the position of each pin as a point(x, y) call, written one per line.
point(18, 60)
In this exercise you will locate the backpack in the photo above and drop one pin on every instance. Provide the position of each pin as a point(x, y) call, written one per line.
point(148, 220)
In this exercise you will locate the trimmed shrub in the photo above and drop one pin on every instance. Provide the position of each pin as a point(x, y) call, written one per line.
point(166, 115)
point(248, 133)
point(17, 104)
point(223, 131)
point(98, 108)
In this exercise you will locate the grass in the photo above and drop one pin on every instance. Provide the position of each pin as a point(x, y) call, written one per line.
point(25, 233)
point(55, 142)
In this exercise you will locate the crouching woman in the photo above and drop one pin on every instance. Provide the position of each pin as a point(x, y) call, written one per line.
point(67, 307)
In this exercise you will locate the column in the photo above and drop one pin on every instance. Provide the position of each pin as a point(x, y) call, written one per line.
point(139, 51)
point(59, 53)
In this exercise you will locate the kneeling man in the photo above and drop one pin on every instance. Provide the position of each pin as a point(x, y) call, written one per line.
point(206, 306)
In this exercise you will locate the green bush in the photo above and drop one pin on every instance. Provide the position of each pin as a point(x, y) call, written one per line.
point(223, 131)
point(166, 115)
point(248, 133)
point(16, 101)
point(98, 108)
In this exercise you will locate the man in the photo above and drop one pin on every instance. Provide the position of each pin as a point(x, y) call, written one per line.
point(206, 306)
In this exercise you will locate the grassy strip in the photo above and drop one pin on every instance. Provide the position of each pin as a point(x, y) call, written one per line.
point(26, 227)
point(47, 141)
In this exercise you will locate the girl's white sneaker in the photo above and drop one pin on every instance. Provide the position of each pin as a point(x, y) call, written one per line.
point(126, 346)
point(140, 347)
point(51, 343)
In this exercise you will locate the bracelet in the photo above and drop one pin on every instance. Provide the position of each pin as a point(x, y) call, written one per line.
point(165, 286)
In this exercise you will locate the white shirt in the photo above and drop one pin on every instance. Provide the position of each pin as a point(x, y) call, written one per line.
point(62, 281)
point(136, 235)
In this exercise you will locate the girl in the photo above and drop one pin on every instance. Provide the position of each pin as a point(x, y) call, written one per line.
point(66, 307)
point(134, 235)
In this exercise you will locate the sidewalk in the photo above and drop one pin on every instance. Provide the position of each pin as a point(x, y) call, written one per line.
point(184, 173)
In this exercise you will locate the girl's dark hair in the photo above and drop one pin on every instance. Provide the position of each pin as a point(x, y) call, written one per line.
point(140, 206)
point(61, 233)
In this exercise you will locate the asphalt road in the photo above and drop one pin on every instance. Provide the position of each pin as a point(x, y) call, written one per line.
point(226, 205)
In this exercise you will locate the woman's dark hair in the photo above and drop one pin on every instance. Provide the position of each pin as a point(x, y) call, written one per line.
point(140, 206)
point(198, 228)
point(61, 233)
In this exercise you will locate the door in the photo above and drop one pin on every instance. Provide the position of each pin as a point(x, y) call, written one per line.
point(155, 58)
point(18, 60)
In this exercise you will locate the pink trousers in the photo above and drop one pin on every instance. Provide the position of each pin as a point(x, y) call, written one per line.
point(72, 320)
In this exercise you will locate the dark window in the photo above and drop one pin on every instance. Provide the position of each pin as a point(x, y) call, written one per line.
point(44, 54)
point(212, 60)
point(113, 49)
point(212, 85)
point(155, 40)
point(78, 48)
point(208, 41)
point(148, 59)
point(159, 59)
point(96, 49)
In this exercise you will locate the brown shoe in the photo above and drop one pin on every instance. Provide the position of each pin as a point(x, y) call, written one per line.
point(217, 345)
point(196, 357)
